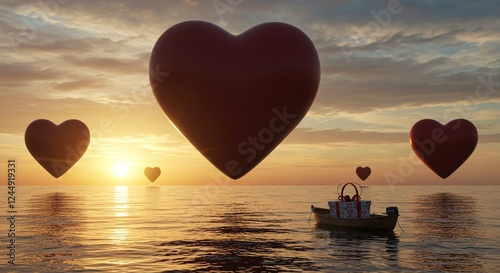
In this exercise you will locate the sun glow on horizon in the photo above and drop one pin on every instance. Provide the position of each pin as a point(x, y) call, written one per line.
point(121, 169)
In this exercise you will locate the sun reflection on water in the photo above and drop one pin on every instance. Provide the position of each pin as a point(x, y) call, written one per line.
point(121, 210)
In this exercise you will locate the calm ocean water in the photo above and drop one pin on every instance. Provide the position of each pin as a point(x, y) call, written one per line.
point(247, 229)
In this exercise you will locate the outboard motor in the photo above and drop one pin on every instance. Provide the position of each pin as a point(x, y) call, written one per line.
point(392, 211)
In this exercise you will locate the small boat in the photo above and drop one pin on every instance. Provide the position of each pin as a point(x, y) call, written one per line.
point(325, 217)
point(375, 222)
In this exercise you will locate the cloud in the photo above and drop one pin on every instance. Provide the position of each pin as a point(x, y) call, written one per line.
point(484, 139)
point(26, 72)
point(81, 84)
point(335, 136)
point(331, 137)
point(369, 83)
point(71, 46)
point(109, 64)
point(401, 39)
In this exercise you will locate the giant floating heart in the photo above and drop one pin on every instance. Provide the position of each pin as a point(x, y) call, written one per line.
point(443, 148)
point(57, 147)
point(152, 173)
point(363, 172)
point(235, 98)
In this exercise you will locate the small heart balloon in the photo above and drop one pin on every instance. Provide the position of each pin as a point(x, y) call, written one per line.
point(235, 98)
point(152, 173)
point(443, 148)
point(57, 147)
point(363, 172)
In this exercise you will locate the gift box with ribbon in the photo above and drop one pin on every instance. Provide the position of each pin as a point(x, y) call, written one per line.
point(350, 209)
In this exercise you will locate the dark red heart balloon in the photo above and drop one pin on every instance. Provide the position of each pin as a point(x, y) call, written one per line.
point(235, 98)
point(443, 148)
point(152, 173)
point(57, 147)
point(363, 172)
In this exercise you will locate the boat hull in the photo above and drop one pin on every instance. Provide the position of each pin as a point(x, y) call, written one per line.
point(375, 222)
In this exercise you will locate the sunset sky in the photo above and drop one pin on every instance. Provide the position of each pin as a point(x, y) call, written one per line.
point(384, 66)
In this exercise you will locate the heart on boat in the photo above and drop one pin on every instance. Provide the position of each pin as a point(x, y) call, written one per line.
point(363, 172)
point(235, 98)
point(152, 173)
point(57, 147)
point(443, 148)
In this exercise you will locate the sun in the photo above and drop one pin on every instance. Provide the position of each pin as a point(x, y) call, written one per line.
point(121, 169)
